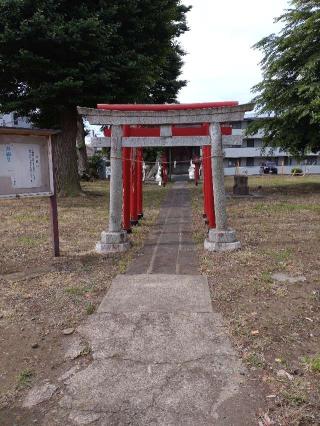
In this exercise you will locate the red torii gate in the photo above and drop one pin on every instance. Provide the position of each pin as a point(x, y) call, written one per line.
point(133, 157)
point(133, 127)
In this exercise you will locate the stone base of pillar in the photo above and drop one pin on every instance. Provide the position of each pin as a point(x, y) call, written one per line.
point(222, 240)
point(113, 242)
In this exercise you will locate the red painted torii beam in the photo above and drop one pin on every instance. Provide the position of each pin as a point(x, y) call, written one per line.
point(200, 130)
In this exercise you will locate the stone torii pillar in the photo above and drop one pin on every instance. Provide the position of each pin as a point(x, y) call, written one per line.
point(115, 239)
point(220, 238)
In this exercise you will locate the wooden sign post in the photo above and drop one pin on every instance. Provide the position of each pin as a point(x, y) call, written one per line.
point(26, 169)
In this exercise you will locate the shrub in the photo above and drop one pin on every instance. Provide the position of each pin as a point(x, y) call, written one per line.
point(296, 171)
point(94, 163)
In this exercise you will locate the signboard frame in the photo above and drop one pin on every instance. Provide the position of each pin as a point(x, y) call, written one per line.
point(17, 135)
point(11, 133)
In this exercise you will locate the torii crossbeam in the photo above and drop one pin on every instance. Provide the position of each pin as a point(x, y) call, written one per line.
point(172, 125)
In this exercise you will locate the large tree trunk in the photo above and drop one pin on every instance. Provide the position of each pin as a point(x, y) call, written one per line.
point(81, 148)
point(65, 156)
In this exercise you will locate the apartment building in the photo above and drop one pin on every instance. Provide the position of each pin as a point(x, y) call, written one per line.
point(14, 120)
point(248, 157)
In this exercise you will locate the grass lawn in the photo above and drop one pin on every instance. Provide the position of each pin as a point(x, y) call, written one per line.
point(40, 295)
point(274, 325)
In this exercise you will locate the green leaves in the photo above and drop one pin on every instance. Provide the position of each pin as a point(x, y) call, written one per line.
point(57, 54)
point(290, 91)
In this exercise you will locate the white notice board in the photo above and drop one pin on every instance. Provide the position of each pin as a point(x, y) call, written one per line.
point(25, 166)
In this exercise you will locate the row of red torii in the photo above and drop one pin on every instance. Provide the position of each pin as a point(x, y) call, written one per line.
point(168, 125)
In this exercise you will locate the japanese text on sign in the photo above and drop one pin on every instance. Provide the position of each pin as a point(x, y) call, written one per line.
point(21, 162)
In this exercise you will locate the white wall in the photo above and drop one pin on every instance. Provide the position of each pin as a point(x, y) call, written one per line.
point(7, 120)
point(285, 170)
point(252, 152)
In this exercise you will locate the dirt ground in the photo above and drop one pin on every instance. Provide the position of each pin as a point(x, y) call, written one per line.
point(274, 325)
point(42, 296)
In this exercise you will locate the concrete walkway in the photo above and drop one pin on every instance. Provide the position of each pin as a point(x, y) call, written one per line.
point(161, 356)
point(170, 248)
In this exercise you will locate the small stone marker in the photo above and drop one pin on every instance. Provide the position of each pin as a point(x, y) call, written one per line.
point(240, 186)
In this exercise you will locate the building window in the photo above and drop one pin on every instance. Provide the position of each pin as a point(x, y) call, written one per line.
point(274, 160)
point(250, 143)
point(287, 161)
point(236, 125)
point(311, 161)
point(250, 162)
point(15, 119)
point(234, 162)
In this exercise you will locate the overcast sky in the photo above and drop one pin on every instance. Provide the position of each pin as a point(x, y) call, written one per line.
point(220, 63)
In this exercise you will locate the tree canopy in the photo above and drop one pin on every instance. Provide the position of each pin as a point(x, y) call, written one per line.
point(57, 54)
point(288, 97)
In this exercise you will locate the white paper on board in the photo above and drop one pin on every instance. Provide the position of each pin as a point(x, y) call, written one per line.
point(22, 163)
